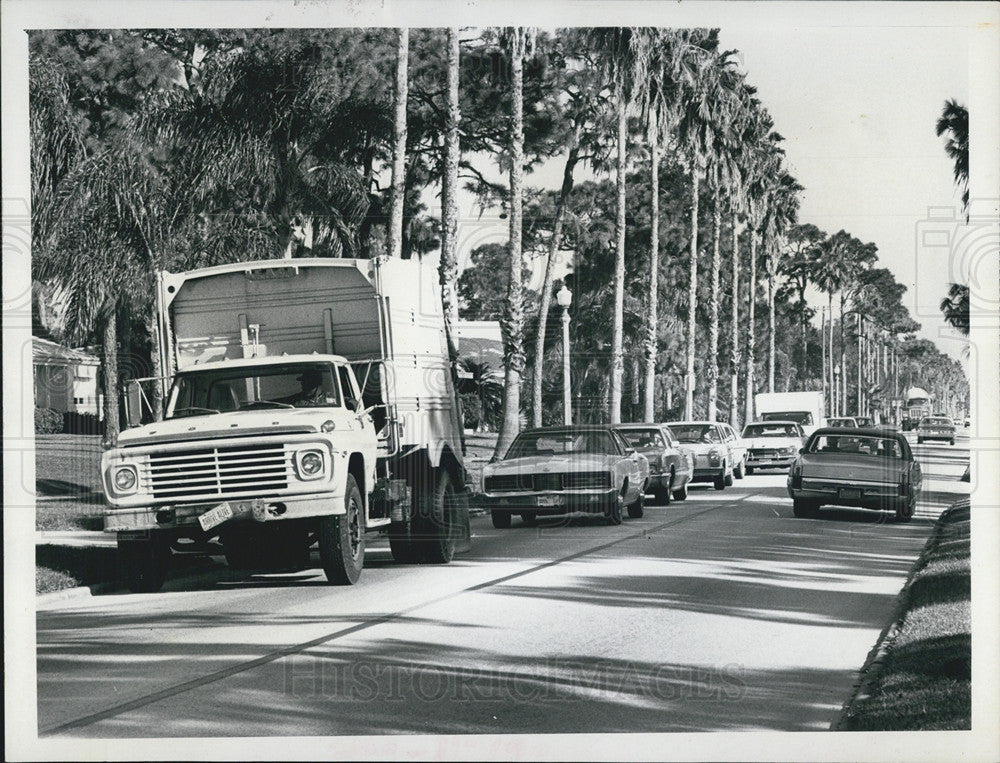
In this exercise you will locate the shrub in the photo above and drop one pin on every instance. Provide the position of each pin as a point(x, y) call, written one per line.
point(81, 423)
point(48, 421)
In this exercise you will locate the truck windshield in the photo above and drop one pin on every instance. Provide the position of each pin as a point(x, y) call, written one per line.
point(293, 385)
point(799, 417)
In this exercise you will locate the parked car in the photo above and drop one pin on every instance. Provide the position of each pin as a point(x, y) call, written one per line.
point(713, 461)
point(560, 470)
point(842, 421)
point(670, 466)
point(866, 468)
point(772, 444)
point(936, 428)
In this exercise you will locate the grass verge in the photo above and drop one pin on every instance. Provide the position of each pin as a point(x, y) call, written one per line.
point(922, 678)
point(67, 482)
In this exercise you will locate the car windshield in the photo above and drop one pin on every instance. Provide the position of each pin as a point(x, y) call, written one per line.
point(694, 432)
point(770, 430)
point(843, 423)
point(936, 421)
point(864, 421)
point(298, 385)
point(562, 443)
point(643, 439)
point(799, 417)
point(885, 447)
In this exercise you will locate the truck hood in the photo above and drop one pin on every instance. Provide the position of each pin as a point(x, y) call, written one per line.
point(233, 424)
point(577, 462)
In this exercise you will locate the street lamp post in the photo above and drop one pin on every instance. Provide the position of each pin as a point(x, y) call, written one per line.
point(564, 297)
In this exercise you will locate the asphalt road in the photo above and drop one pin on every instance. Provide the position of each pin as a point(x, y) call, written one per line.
point(722, 612)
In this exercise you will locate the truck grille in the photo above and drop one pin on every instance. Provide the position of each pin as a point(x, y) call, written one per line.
point(507, 483)
point(229, 470)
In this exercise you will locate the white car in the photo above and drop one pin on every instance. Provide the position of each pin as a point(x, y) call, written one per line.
point(713, 460)
point(772, 444)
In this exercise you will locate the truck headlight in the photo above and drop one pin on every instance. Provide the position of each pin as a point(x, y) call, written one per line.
point(310, 464)
point(125, 479)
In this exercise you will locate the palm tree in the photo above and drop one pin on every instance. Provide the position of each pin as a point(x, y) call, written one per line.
point(512, 323)
point(829, 280)
point(956, 307)
point(954, 121)
point(399, 145)
point(448, 267)
point(798, 266)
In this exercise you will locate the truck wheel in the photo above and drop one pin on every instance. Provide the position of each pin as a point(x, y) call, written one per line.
point(500, 519)
point(239, 549)
point(144, 563)
point(436, 521)
point(342, 539)
point(404, 548)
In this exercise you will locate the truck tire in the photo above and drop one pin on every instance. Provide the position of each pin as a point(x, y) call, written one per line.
point(144, 563)
point(404, 549)
point(240, 551)
point(342, 539)
point(435, 520)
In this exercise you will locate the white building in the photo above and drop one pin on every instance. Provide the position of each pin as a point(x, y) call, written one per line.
point(65, 379)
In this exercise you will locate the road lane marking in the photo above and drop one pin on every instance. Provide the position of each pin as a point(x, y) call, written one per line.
point(219, 675)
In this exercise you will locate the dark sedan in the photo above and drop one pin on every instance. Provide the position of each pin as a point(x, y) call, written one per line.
point(866, 468)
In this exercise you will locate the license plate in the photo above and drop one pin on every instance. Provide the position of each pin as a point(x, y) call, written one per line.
point(549, 500)
point(849, 492)
point(216, 516)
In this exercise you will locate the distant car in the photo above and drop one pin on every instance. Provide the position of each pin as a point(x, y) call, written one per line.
point(864, 421)
point(670, 466)
point(561, 470)
point(842, 421)
point(772, 444)
point(866, 468)
point(967, 422)
point(737, 449)
point(713, 461)
point(936, 428)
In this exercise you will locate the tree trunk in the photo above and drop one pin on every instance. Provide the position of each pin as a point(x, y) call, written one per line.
point(770, 326)
point(109, 357)
point(734, 357)
point(804, 367)
point(829, 355)
point(713, 306)
point(546, 300)
point(692, 295)
point(399, 144)
point(653, 295)
point(617, 359)
point(156, 388)
point(448, 266)
point(512, 323)
point(751, 313)
point(843, 359)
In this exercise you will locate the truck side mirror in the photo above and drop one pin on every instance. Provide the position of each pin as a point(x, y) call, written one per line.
point(133, 403)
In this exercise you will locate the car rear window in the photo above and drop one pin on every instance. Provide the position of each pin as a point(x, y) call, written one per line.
point(885, 447)
point(770, 430)
point(643, 438)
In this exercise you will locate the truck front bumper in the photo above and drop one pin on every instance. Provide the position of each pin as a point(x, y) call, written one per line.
point(185, 516)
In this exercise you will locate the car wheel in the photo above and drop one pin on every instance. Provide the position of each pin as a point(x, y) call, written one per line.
point(729, 479)
point(681, 493)
point(342, 539)
point(501, 519)
point(638, 507)
point(719, 482)
point(920, 441)
point(904, 512)
point(749, 470)
point(529, 518)
point(804, 508)
point(613, 512)
point(144, 563)
point(663, 493)
point(739, 471)
point(951, 442)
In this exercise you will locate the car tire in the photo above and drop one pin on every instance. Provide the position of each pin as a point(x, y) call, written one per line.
point(739, 471)
point(920, 441)
point(500, 519)
point(663, 493)
point(342, 539)
point(719, 482)
point(681, 493)
point(729, 479)
point(638, 507)
point(951, 441)
point(144, 563)
point(804, 508)
point(904, 513)
point(529, 518)
point(749, 470)
point(613, 511)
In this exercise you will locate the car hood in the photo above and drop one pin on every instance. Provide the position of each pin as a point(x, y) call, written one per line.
point(847, 467)
point(773, 442)
point(577, 462)
point(700, 448)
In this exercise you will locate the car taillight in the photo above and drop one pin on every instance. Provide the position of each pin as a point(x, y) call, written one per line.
point(797, 476)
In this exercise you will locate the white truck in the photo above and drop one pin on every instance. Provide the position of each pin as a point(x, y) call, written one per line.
point(311, 401)
point(804, 408)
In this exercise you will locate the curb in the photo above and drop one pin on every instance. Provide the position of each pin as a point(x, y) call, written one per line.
point(872, 667)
